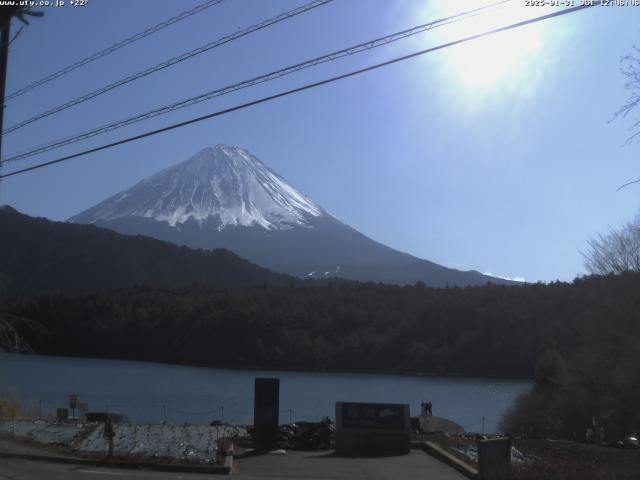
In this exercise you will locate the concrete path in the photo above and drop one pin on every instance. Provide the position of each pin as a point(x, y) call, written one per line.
point(324, 465)
point(26, 470)
point(293, 465)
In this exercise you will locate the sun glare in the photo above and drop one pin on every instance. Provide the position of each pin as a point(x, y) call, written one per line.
point(495, 60)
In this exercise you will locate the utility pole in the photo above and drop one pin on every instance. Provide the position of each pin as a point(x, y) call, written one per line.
point(4, 56)
point(6, 14)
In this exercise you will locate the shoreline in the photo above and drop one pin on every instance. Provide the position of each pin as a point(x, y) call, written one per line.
point(391, 373)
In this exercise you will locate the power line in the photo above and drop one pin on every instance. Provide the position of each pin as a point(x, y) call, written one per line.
point(173, 61)
point(113, 48)
point(16, 35)
point(301, 89)
point(254, 81)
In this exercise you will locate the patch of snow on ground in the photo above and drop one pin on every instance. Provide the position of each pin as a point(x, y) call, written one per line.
point(42, 432)
point(471, 452)
point(196, 443)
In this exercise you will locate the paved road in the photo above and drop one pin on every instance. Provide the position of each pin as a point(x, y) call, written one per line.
point(294, 465)
point(29, 470)
point(323, 466)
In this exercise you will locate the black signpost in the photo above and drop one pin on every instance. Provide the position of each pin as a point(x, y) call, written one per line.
point(265, 413)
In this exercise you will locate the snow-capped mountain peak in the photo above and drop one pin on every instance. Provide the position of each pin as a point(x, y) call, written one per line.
point(224, 184)
point(224, 197)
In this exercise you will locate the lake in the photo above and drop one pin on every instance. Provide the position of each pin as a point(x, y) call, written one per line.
point(153, 392)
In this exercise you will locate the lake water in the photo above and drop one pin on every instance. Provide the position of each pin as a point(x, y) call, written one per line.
point(153, 392)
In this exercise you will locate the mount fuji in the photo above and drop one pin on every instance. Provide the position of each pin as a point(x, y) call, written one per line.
point(224, 197)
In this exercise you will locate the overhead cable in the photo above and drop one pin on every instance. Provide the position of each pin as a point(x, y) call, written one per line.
point(369, 45)
point(168, 63)
point(300, 89)
point(113, 48)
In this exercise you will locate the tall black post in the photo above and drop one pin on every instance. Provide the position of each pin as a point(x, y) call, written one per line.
point(4, 56)
point(266, 409)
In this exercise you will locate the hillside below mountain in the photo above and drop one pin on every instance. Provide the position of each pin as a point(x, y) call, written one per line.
point(39, 255)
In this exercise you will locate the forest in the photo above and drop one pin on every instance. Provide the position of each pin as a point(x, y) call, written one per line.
point(475, 331)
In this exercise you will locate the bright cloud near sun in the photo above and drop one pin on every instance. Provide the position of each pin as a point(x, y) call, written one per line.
point(514, 58)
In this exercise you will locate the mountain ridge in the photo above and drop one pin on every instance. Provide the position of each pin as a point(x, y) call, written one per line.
point(224, 197)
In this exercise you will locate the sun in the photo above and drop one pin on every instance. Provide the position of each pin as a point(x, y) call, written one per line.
point(495, 60)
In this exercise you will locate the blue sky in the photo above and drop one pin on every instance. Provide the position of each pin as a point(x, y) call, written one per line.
point(496, 156)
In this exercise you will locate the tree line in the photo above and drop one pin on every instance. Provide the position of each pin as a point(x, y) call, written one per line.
point(475, 331)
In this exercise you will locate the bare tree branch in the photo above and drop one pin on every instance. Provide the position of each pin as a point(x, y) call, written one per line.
point(630, 68)
point(12, 329)
point(627, 184)
point(616, 252)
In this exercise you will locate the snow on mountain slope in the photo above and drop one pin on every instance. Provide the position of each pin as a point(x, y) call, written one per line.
point(226, 183)
point(224, 197)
